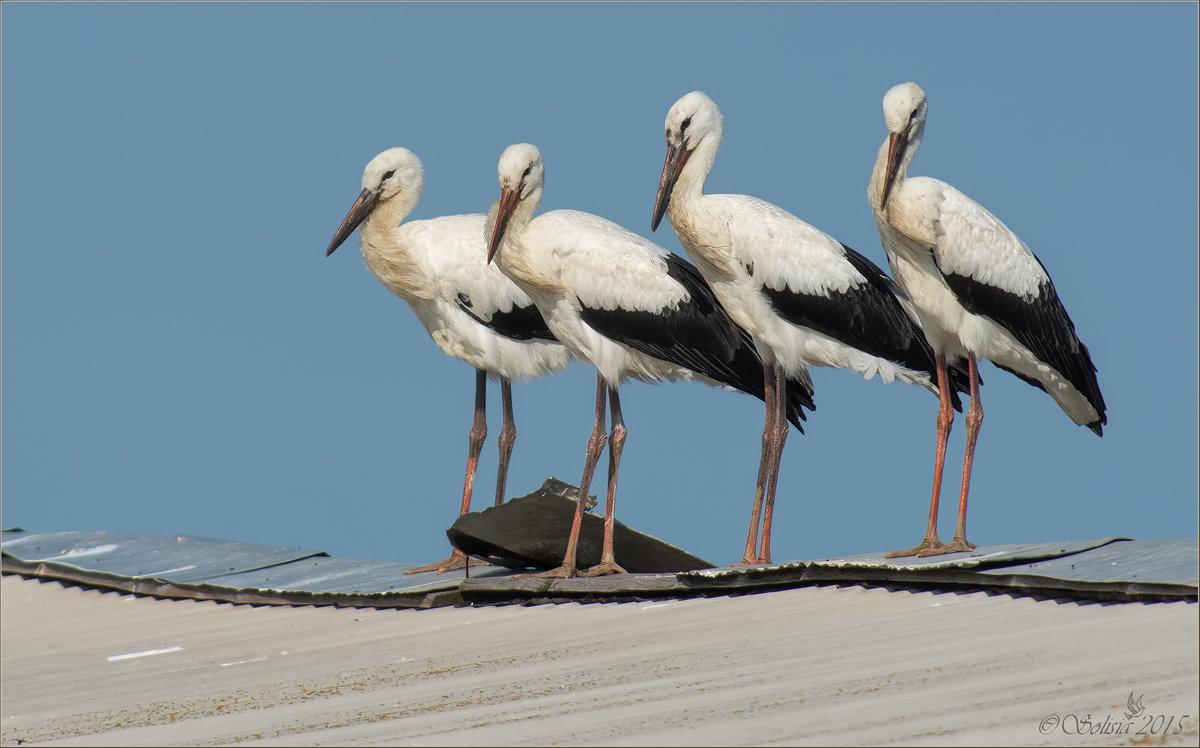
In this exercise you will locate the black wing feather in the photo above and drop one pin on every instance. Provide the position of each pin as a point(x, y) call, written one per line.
point(519, 323)
point(870, 318)
point(1042, 325)
point(699, 335)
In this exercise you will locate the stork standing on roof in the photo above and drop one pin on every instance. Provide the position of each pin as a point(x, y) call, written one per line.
point(980, 292)
point(806, 298)
point(471, 310)
point(625, 304)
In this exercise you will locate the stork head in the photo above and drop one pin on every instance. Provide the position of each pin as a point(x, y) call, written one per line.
point(396, 171)
point(693, 120)
point(904, 111)
point(522, 176)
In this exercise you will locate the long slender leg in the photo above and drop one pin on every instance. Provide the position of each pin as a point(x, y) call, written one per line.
point(608, 562)
point(475, 439)
point(780, 436)
point(974, 421)
point(945, 419)
point(595, 445)
point(764, 466)
point(508, 436)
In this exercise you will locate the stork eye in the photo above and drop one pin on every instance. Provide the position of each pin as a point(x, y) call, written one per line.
point(685, 124)
point(527, 170)
point(388, 176)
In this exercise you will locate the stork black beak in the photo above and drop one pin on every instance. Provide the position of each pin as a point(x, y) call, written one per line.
point(897, 143)
point(358, 213)
point(677, 156)
point(508, 201)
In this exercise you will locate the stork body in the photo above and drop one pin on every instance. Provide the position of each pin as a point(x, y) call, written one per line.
point(625, 304)
point(472, 311)
point(980, 293)
point(806, 298)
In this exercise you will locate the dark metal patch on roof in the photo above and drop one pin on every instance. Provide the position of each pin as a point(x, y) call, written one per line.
point(531, 532)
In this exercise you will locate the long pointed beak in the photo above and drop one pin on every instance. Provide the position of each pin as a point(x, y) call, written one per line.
point(897, 142)
point(508, 201)
point(677, 156)
point(358, 213)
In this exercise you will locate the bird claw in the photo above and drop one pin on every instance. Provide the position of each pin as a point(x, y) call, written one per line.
point(747, 561)
point(928, 547)
point(958, 545)
point(562, 572)
point(602, 569)
point(455, 562)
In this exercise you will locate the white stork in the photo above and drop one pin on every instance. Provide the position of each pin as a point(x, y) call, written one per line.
point(806, 298)
point(625, 304)
point(980, 294)
point(470, 310)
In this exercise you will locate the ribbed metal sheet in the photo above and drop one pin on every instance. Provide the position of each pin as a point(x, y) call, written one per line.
point(983, 556)
point(1116, 569)
point(210, 569)
point(347, 575)
point(179, 558)
point(1171, 561)
point(190, 566)
point(812, 666)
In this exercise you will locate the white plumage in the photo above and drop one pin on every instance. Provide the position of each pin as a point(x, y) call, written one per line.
point(807, 299)
point(980, 293)
point(765, 247)
point(456, 294)
point(620, 301)
point(567, 250)
point(471, 310)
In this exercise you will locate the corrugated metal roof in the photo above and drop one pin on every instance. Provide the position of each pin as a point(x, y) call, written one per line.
point(180, 558)
point(996, 555)
point(207, 568)
point(1172, 561)
point(819, 665)
point(190, 566)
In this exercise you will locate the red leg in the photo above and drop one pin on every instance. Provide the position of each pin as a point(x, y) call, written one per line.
point(779, 420)
point(457, 559)
point(974, 421)
point(608, 563)
point(945, 419)
point(508, 436)
point(475, 439)
point(750, 557)
point(616, 442)
point(595, 445)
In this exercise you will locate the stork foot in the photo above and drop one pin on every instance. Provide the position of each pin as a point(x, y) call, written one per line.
point(456, 561)
point(928, 547)
point(562, 572)
point(602, 569)
point(958, 545)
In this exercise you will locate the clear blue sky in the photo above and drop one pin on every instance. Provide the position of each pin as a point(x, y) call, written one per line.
point(179, 356)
